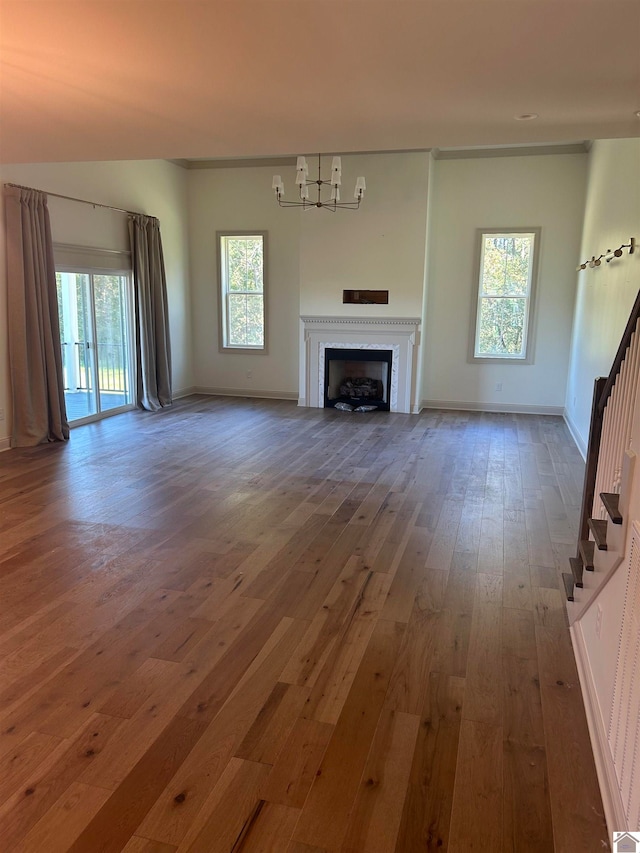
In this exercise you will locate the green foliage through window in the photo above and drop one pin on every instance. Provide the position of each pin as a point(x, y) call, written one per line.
point(504, 295)
point(242, 283)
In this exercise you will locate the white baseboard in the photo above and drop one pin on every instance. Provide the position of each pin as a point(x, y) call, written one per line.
point(509, 408)
point(5, 444)
point(245, 392)
point(575, 435)
point(184, 392)
point(611, 799)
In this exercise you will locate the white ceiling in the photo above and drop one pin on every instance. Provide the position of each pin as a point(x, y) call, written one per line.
point(129, 79)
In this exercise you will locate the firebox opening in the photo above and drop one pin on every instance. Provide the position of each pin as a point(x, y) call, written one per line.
point(359, 377)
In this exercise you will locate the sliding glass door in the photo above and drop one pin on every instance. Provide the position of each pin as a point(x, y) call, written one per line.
point(95, 335)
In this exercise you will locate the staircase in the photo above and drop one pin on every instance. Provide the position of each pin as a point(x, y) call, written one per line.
point(608, 476)
point(599, 555)
point(604, 578)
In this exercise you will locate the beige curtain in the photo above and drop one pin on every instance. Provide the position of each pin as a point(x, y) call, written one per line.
point(39, 412)
point(152, 315)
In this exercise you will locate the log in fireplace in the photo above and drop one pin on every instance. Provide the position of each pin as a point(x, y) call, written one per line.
point(359, 377)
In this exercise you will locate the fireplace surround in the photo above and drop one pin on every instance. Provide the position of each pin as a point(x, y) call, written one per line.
point(392, 334)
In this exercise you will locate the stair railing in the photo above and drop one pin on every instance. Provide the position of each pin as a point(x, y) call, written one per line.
point(611, 422)
point(616, 425)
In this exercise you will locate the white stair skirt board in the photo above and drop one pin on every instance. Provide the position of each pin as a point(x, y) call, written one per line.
point(613, 724)
point(614, 811)
point(397, 334)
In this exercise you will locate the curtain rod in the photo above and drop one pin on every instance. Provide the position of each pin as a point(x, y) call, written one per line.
point(80, 200)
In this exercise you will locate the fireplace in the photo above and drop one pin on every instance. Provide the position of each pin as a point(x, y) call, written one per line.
point(358, 377)
point(376, 335)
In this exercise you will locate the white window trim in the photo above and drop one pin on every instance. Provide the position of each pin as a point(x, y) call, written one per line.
point(108, 263)
point(222, 294)
point(530, 324)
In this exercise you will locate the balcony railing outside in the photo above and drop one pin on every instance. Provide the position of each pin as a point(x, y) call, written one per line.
point(112, 367)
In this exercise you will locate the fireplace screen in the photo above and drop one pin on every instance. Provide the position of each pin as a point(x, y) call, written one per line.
point(359, 377)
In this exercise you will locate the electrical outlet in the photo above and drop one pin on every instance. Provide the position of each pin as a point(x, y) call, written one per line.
point(1, 414)
point(598, 621)
point(498, 386)
point(249, 374)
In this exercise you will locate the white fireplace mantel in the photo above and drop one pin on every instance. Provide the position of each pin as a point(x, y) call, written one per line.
point(397, 334)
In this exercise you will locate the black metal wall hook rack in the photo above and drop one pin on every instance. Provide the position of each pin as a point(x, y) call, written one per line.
point(609, 255)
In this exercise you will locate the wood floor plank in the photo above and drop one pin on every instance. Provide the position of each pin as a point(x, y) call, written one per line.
point(483, 695)
point(426, 816)
point(305, 633)
point(476, 816)
point(572, 777)
point(377, 811)
point(17, 765)
point(326, 811)
point(230, 811)
point(408, 577)
point(410, 677)
point(177, 806)
point(335, 680)
point(527, 824)
point(137, 844)
point(117, 820)
point(64, 821)
point(297, 765)
point(270, 832)
point(48, 781)
point(267, 736)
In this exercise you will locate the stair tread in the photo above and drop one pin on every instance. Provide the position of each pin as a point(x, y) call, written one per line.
point(599, 529)
point(567, 580)
point(587, 550)
point(576, 570)
point(611, 504)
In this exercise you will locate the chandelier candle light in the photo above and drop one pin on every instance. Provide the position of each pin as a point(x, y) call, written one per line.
point(333, 202)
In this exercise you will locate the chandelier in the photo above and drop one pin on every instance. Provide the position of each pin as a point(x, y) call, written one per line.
point(326, 193)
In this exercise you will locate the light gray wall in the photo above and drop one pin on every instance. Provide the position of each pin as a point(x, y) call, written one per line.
point(241, 199)
point(604, 295)
point(501, 192)
point(380, 247)
point(313, 256)
point(155, 187)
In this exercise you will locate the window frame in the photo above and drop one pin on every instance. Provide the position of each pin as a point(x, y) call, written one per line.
point(530, 318)
point(223, 293)
point(72, 260)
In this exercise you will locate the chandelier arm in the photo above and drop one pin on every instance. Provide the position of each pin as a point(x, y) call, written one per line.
point(348, 206)
point(295, 203)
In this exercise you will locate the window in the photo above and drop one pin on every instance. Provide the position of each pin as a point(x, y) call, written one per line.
point(242, 263)
point(507, 270)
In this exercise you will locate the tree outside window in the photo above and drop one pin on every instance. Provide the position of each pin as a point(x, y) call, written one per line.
point(242, 290)
point(505, 290)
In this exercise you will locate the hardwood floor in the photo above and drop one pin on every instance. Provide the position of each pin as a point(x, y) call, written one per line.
point(242, 626)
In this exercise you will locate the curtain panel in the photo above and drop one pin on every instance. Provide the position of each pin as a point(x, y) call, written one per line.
point(35, 358)
point(152, 315)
